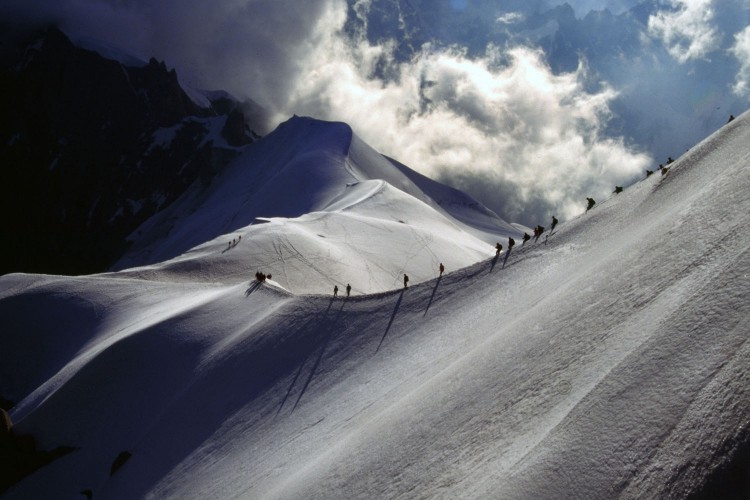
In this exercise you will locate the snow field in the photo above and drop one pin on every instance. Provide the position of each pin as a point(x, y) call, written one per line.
point(610, 361)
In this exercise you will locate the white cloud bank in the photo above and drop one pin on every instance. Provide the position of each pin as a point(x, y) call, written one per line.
point(686, 28)
point(741, 50)
point(526, 142)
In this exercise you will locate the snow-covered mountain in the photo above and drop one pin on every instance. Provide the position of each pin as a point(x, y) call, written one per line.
point(611, 359)
point(117, 142)
point(315, 206)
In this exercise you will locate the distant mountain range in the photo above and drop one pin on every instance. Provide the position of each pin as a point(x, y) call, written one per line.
point(90, 148)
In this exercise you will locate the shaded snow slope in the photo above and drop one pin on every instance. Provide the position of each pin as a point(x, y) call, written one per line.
point(611, 361)
point(307, 166)
point(468, 212)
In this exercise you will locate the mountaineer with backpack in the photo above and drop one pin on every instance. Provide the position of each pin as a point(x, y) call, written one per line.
point(538, 230)
point(590, 204)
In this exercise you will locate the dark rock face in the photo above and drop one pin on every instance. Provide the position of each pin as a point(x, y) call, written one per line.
point(19, 455)
point(90, 148)
point(119, 461)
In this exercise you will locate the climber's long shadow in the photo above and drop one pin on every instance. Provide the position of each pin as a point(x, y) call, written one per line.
point(254, 286)
point(302, 364)
point(328, 334)
point(393, 316)
point(494, 261)
point(507, 254)
point(437, 283)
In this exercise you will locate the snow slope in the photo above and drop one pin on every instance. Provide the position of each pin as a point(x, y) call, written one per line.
point(611, 360)
point(341, 213)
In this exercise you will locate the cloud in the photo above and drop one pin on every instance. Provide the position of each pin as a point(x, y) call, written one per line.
point(583, 7)
point(526, 142)
point(741, 50)
point(253, 48)
point(686, 28)
point(510, 18)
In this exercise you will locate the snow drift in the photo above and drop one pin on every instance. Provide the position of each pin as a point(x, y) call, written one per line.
point(609, 360)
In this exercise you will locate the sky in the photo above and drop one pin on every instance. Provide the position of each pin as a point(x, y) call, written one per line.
point(527, 140)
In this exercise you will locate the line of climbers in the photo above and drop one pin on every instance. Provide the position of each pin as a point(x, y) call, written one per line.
point(348, 290)
point(538, 230)
point(261, 277)
point(233, 243)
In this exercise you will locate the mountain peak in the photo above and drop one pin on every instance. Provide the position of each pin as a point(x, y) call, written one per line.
point(308, 166)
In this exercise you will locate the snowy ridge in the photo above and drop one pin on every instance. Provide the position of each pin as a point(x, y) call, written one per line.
point(341, 213)
point(610, 360)
point(369, 237)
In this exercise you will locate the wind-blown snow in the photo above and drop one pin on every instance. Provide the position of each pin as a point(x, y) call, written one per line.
point(609, 360)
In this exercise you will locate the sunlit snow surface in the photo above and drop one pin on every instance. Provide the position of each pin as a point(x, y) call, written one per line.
point(611, 360)
point(315, 207)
